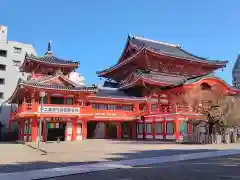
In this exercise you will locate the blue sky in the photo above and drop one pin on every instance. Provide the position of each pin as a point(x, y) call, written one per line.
point(94, 32)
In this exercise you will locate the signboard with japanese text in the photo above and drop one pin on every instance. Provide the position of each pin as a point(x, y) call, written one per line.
point(60, 110)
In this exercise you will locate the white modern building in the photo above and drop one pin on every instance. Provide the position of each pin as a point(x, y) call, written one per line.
point(12, 54)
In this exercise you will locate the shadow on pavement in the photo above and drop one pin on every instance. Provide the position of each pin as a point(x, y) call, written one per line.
point(221, 168)
point(23, 166)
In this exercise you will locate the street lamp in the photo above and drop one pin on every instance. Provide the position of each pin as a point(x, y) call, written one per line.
point(41, 95)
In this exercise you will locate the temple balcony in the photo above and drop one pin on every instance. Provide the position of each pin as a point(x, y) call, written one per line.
point(116, 114)
point(25, 108)
point(72, 111)
point(172, 109)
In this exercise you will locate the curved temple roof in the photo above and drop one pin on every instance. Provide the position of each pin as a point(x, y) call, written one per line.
point(115, 93)
point(45, 83)
point(163, 80)
point(161, 48)
point(49, 58)
point(169, 49)
point(159, 79)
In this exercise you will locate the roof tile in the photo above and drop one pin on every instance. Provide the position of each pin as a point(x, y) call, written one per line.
point(49, 58)
point(169, 49)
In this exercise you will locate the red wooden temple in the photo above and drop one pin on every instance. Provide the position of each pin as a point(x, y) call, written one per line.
point(162, 73)
point(137, 101)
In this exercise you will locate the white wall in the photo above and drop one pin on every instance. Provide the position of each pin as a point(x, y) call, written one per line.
point(11, 74)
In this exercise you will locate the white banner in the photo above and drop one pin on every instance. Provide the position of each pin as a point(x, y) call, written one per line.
point(56, 109)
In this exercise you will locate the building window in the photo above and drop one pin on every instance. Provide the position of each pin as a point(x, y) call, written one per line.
point(112, 106)
point(148, 128)
point(16, 63)
point(2, 81)
point(153, 107)
point(2, 67)
point(126, 107)
point(45, 100)
point(3, 53)
point(183, 127)
point(170, 128)
point(1, 95)
point(100, 106)
point(69, 100)
point(159, 128)
point(140, 128)
point(17, 50)
point(57, 100)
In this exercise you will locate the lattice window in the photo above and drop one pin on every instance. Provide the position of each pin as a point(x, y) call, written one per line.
point(126, 107)
point(148, 127)
point(140, 128)
point(159, 128)
point(170, 128)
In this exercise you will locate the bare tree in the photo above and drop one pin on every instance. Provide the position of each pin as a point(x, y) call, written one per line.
point(219, 109)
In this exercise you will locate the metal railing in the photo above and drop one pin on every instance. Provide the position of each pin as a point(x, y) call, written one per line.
point(201, 138)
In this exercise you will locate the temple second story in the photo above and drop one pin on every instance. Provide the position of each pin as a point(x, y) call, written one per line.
point(155, 56)
point(48, 64)
point(146, 66)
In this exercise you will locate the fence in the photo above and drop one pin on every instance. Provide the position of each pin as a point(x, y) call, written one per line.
point(210, 139)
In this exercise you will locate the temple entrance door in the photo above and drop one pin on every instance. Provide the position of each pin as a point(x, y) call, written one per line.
point(111, 131)
point(91, 127)
point(55, 130)
point(126, 130)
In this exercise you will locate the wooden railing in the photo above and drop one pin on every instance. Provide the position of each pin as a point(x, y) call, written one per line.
point(172, 109)
point(29, 107)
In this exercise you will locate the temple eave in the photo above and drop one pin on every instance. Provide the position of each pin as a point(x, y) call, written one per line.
point(145, 82)
point(67, 63)
point(215, 64)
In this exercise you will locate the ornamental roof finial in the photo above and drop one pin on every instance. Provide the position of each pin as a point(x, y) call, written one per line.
point(49, 45)
point(49, 49)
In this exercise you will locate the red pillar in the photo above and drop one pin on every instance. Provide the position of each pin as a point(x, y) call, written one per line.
point(134, 130)
point(74, 130)
point(177, 129)
point(34, 129)
point(153, 128)
point(190, 128)
point(164, 131)
point(119, 130)
point(84, 129)
point(44, 129)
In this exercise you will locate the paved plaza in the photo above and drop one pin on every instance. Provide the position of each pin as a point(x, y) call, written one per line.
point(221, 168)
point(18, 158)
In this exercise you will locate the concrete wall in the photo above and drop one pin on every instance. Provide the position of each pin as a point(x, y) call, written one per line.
point(11, 74)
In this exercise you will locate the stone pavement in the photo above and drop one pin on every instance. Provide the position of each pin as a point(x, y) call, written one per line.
point(17, 157)
point(220, 168)
point(108, 166)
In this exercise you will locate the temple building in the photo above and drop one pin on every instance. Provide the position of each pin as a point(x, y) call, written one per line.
point(53, 102)
point(161, 73)
point(138, 100)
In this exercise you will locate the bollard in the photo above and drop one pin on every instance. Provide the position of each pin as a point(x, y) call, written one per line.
point(234, 138)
